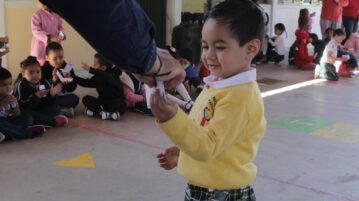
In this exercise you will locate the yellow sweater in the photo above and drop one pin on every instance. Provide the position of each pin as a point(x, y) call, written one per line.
point(220, 138)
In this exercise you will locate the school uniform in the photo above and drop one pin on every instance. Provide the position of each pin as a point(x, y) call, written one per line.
point(43, 110)
point(109, 88)
point(66, 99)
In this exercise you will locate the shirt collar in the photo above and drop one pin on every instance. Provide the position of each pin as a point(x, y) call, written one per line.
point(241, 78)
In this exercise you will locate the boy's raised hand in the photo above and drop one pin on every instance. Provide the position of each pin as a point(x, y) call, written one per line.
point(168, 160)
point(85, 66)
point(162, 109)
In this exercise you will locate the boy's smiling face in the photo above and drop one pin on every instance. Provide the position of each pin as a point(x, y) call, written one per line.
point(222, 53)
point(55, 58)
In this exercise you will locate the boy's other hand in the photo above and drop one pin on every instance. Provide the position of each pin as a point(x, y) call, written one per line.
point(162, 109)
point(41, 93)
point(168, 160)
point(55, 89)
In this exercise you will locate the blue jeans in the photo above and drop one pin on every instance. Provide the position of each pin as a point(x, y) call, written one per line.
point(118, 29)
point(351, 25)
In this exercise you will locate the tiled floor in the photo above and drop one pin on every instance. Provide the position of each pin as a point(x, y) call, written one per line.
point(310, 151)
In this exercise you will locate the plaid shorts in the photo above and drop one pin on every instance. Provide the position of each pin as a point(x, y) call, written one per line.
point(194, 193)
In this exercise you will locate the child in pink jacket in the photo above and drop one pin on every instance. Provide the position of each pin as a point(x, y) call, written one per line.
point(46, 26)
point(352, 44)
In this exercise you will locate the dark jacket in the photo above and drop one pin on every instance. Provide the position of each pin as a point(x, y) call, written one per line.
point(118, 29)
point(107, 83)
point(47, 75)
point(25, 93)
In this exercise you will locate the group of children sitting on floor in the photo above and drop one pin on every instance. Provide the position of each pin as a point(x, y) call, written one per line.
point(332, 57)
point(43, 96)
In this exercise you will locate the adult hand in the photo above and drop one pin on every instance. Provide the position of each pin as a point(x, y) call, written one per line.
point(162, 109)
point(168, 160)
point(169, 64)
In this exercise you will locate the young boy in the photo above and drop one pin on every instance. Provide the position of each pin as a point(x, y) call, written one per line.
point(54, 56)
point(111, 102)
point(326, 69)
point(220, 138)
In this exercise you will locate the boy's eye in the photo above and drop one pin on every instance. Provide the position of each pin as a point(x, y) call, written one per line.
point(204, 47)
point(220, 48)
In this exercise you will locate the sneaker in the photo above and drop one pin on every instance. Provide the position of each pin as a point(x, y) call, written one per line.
point(61, 120)
point(68, 112)
point(2, 137)
point(105, 115)
point(142, 108)
point(110, 116)
point(37, 130)
point(115, 116)
point(89, 113)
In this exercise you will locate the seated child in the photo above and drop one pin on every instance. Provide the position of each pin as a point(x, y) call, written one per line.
point(319, 46)
point(192, 78)
point(302, 59)
point(135, 96)
point(352, 44)
point(327, 69)
point(328, 35)
point(217, 143)
point(37, 96)
point(110, 103)
point(13, 123)
point(54, 56)
point(276, 49)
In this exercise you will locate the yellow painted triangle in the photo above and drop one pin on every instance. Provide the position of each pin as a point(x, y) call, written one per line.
point(81, 161)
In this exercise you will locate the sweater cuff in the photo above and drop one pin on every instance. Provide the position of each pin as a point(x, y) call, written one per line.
point(173, 127)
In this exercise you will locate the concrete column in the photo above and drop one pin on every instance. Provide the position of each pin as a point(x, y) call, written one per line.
point(174, 9)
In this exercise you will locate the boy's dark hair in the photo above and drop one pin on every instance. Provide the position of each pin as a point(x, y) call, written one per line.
point(53, 46)
point(244, 18)
point(186, 53)
point(280, 27)
point(4, 74)
point(328, 30)
point(103, 61)
point(314, 37)
point(338, 32)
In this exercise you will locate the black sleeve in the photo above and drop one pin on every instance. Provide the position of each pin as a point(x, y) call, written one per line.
point(47, 73)
point(26, 96)
point(70, 87)
point(89, 83)
point(121, 25)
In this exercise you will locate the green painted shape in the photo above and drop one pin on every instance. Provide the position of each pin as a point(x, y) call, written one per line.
point(300, 123)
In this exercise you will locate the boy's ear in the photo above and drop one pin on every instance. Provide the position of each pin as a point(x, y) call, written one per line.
point(253, 47)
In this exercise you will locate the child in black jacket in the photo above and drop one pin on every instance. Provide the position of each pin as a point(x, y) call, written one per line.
point(37, 96)
point(110, 103)
point(54, 65)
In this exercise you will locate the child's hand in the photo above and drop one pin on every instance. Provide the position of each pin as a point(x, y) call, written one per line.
point(41, 93)
point(168, 160)
point(85, 66)
point(7, 100)
point(55, 89)
point(54, 38)
point(162, 109)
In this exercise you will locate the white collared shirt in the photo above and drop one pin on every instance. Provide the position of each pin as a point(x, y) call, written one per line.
point(332, 47)
point(241, 78)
